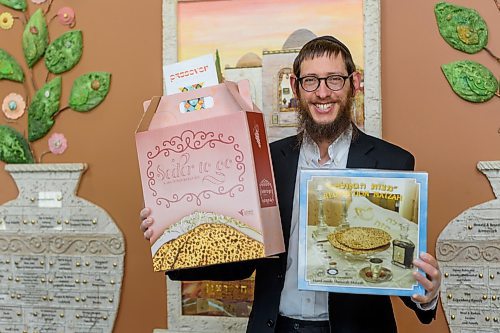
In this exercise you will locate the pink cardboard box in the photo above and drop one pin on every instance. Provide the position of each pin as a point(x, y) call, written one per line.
point(207, 177)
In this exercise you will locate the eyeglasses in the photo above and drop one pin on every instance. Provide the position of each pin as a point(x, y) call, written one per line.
point(333, 82)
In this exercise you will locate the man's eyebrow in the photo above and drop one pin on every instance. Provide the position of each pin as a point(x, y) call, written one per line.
point(341, 73)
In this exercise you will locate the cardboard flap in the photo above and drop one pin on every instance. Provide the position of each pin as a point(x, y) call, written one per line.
point(149, 111)
point(244, 89)
point(241, 93)
point(226, 100)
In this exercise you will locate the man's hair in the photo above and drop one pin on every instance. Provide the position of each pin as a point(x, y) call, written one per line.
point(320, 46)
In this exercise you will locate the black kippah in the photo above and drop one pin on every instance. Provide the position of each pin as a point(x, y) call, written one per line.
point(332, 40)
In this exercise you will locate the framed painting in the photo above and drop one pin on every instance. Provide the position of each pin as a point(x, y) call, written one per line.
point(258, 40)
point(208, 306)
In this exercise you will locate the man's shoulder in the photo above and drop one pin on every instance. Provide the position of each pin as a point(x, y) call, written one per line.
point(382, 145)
point(386, 154)
point(288, 143)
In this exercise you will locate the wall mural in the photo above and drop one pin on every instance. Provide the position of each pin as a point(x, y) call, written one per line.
point(61, 257)
point(269, 56)
point(59, 55)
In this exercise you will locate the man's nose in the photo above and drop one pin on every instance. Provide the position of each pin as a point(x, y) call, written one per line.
point(323, 91)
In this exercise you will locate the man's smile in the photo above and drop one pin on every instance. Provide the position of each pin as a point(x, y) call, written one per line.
point(323, 107)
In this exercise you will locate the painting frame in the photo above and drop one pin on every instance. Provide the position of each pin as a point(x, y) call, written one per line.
point(373, 126)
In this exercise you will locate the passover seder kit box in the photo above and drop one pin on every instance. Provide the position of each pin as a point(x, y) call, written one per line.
point(360, 230)
point(207, 177)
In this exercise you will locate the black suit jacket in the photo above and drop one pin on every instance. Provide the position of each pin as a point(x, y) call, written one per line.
point(349, 313)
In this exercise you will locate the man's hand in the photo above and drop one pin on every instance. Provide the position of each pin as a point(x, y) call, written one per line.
point(146, 222)
point(431, 282)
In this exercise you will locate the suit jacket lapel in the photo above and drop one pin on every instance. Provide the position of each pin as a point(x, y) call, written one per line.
point(358, 152)
point(288, 162)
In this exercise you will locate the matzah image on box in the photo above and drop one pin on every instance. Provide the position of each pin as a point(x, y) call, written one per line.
point(202, 239)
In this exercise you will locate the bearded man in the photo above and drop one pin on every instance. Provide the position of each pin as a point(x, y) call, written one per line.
point(324, 82)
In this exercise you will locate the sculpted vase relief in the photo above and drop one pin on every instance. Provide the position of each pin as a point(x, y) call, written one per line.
point(468, 251)
point(61, 257)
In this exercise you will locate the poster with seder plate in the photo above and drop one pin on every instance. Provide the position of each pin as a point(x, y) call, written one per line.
point(360, 229)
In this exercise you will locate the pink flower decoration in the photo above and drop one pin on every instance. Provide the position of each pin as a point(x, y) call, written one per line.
point(66, 16)
point(57, 143)
point(38, 2)
point(13, 106)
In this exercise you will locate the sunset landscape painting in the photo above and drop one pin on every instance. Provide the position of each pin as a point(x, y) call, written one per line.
point(236, 27)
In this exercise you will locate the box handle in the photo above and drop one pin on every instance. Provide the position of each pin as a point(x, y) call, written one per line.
point(244, 102)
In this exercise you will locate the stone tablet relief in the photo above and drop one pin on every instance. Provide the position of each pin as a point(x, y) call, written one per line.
point(464, 317)
point(468, 252)
point(61, 257)
point(460, 296)
point(462, 274)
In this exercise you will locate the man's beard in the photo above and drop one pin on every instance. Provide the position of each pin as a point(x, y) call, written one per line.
point(328, 131)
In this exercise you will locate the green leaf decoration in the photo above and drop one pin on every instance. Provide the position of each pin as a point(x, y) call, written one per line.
point(13, 146)
point(14, 4)
point(43, 107)
point(471, 80)
point(89, 90)
point(9, 68)
point(65, 52)
point(35, 38)
point(463, 28)
point(220, 78)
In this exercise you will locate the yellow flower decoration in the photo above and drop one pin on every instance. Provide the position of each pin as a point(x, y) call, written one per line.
point(6, 20)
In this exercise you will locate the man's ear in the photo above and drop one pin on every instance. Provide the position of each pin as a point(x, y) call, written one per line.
point(356, 80)
point(294, 85)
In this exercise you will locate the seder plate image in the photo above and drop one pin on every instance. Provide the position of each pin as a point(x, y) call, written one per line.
point(367, 275)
